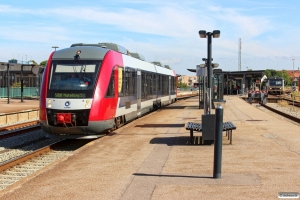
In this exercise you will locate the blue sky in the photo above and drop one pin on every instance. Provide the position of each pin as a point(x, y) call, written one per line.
point(165, 31)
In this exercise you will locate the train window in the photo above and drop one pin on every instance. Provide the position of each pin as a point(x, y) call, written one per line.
point(133, 82)
point(148, 84)
point(120, 81)
point(143, 85)
point(163, 85)
point(62, 84)
point(159, 82)
point(154, 84)
point(111, 86)
point(172, 85)
point(127, 81)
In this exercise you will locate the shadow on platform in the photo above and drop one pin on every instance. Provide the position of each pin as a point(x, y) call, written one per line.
point(180, 141)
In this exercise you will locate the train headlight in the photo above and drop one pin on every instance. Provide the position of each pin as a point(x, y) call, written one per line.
point(49, 103)
point(87, 104)
point(270, 88)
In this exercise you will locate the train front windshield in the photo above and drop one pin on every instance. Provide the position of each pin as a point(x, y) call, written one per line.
point(275, 83)
point(68, 79)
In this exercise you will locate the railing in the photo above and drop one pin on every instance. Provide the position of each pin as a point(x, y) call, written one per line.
point(16, 92)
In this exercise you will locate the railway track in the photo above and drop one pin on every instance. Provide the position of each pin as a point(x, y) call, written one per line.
point(18, 129)
point(284, 114)
point(23, 166)
point(19, 125)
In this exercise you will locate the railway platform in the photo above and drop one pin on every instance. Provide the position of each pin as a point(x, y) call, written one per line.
point(18, 112)
point(15, 105)
point(151, 158)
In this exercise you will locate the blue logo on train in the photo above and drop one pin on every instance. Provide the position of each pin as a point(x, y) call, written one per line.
point(67, 103)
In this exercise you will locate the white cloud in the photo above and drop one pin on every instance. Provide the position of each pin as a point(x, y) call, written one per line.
point(33, 33)
point(171, 61)
point(170, 31)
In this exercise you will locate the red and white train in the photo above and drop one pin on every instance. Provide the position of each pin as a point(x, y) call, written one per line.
point(88, 89)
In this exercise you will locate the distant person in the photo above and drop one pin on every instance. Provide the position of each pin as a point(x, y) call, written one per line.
point(73, 77)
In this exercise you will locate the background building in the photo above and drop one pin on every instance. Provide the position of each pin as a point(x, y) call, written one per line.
point(188, 80)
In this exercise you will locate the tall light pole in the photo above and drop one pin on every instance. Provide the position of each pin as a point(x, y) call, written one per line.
point(55, 47)
point(209, 35)
point(293, 68)
point(7, 80)
point(22, 80)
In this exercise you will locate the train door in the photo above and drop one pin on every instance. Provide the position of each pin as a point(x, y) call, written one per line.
point(169, 89)
point(138, 93)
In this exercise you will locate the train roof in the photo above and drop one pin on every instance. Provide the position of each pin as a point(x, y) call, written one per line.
point(114, 47)
point(161, 65)
point(138, 56)
point(87, 53)
point(157, 63)
point(105, 45)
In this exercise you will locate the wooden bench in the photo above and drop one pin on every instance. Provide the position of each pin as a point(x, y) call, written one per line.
point(227, 126)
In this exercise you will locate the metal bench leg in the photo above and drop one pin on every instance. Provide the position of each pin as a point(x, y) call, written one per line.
point(230, 136)
point(191, 136)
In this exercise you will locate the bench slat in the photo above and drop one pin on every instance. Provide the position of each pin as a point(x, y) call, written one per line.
point(227, 126)
point(198, 126)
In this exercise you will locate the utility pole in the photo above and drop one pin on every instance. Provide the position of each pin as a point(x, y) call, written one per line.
point(240, 55)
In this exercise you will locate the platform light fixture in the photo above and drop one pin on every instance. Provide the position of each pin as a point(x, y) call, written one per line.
point(216, 34)
point(219, 103)
point(55, 47)
point(202, 34)
point(215, 65)
point(208, 61)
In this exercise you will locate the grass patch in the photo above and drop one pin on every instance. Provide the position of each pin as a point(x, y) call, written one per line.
point(283, 103)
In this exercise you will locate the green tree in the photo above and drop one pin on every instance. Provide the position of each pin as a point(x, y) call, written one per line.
point(33, 61)
point(271, 73)
point(43, 63)
point(17, 85)
point(287, 79)
point(283, 74)
point(182, 85)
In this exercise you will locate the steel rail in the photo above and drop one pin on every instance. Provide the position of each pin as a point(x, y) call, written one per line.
point(295, 119)
point(19, 131)
point(13, 162)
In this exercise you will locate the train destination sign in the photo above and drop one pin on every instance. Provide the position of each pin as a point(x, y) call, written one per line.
point(69, 95)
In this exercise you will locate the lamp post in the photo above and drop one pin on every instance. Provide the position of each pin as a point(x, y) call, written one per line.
point(209, 35)
point(207, 98)
point(55, 47)
point(22, 80)
point(219, 105)
point(293, 71)
point(7, 81)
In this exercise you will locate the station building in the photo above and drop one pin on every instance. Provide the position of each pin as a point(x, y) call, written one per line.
point(15, 72)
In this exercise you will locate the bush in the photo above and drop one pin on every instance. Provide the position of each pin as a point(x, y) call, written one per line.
point(17, 85)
